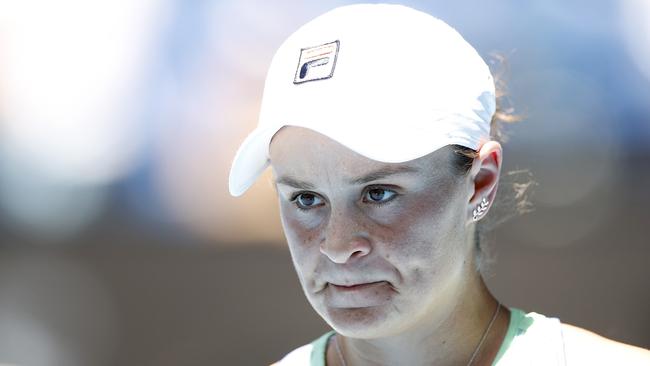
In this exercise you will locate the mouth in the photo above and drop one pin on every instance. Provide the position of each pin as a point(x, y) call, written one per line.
point(358, 286)
point(359, 295)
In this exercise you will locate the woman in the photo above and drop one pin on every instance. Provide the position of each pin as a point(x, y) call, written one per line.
point(376, 121)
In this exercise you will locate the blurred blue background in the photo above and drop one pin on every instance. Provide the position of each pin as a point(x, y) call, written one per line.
point(119, 242)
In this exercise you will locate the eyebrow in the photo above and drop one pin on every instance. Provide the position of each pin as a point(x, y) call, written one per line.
point(370, 177)
point(384, 172)
point(293, 182)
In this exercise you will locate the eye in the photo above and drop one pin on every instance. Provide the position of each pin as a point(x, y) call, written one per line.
point(379, 195)
point(306, 201)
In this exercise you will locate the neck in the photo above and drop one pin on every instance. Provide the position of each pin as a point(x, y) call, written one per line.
point(448, 339)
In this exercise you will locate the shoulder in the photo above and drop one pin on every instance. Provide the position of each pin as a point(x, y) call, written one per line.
point(535, 339)
point(312, 354)
point(583, 347)
point(531, 339)
point(298, 357)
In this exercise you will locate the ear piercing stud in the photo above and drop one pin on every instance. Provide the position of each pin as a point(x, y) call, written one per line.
point(480, 209)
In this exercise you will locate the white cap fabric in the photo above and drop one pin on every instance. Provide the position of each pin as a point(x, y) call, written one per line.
point(389, 82)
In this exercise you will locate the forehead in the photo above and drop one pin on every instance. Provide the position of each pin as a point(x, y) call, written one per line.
point(300, 151)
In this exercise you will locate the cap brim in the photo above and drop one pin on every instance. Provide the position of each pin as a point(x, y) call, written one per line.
point(250, 161)
point(391, 142)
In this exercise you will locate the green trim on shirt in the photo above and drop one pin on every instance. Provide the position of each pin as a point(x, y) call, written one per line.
point(519, 322)
point(319, 348)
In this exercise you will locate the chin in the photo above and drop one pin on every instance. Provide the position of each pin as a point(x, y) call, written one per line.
point(362, 323)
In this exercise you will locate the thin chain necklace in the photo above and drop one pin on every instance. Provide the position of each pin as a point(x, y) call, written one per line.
point(338, 350)
point(485, 333)
point(478, 347)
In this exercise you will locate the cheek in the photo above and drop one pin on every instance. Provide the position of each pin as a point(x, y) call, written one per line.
point(420, 239)
point(417, 224)
point(300, 229)
point(302, 237)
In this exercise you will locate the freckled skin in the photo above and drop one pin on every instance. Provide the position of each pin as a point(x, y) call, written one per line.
point(417, 241)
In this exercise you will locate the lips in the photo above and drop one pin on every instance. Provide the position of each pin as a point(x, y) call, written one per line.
point(358, 295)
point(355, 287)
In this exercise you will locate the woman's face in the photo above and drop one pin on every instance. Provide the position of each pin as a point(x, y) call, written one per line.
point(377, 247)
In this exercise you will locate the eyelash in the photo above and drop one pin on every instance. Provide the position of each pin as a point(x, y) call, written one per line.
point(294, 198)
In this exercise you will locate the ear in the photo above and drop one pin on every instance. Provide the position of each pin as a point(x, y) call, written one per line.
point(484, 176)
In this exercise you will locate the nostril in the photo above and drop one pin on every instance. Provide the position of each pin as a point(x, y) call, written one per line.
point(358, 253)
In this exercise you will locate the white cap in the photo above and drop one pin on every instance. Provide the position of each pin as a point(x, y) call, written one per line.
point(389, 82)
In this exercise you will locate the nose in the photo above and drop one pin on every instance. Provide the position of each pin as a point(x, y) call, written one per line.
point(344, 240)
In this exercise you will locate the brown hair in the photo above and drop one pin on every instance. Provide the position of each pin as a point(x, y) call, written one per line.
point(514, 191)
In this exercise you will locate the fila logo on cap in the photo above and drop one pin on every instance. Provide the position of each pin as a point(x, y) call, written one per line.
point(316, 63)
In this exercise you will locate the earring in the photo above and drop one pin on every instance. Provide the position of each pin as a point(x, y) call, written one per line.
point(480, 209)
